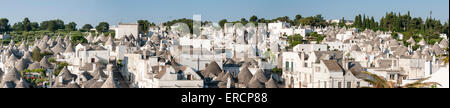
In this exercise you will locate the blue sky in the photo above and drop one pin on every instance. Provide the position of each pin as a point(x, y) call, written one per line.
point(114, 11)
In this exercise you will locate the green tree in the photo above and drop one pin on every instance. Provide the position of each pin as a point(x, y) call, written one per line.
point(4, 25)
point(26, 24)
point(306, 21)
point(77, 37)
point(52, 25)
point(262, 20)
point(244, 21)
point(18, 26)
point(222, 22)
point(87, 27)
point(61, 65)
point(317, 37)
point(36, 54)
point(342, 22)
point(358, 21)
point(294, 40)
point(102, 27)
point(72, 26)
point(297, 19)
point(253, 18)
point(143, 26)
point(34, 26)
point(314, 21)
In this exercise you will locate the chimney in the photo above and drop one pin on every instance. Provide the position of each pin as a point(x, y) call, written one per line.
point(302, 59)
point(110, 67)
point(145, 54)
point(228, 82)
point(345, 64)
point(94, 66)
point(392, 65)
point(60, 80)
point(111, 73)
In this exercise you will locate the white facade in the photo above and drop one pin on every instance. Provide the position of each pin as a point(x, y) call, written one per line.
point(310, 47)
point(126, 29)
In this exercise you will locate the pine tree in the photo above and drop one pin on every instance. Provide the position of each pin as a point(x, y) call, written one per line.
point(36, 54)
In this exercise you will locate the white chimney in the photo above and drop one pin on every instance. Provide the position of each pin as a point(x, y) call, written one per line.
point(60, 80)
point(228, 82)
point(392, 65)
point(94, 66)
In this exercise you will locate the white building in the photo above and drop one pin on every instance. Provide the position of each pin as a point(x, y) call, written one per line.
point(126, 30)
point(310, 47)
point(5, 36)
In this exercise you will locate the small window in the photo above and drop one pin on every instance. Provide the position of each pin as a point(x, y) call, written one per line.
point(339, 84)
point(391, 77)
point(349, 84)
point(319, 83)
point(189, 77)
point(92, 60)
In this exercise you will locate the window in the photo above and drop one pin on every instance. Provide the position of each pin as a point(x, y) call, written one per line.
point(189, 77)
point(349, 84)
point(287, 66)
point(339, 84)
point(310, 78)
point(325, 84)
point(391, 76)
point(92, 60)
point(319, 83)
point(358, 84)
